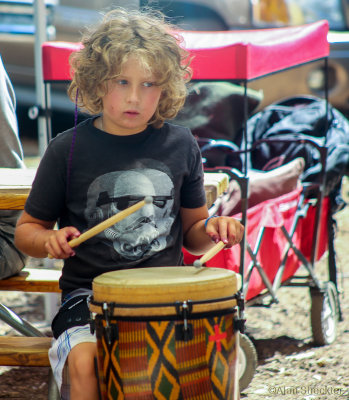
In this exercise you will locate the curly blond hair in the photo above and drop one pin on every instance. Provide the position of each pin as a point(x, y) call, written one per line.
point(107, 47)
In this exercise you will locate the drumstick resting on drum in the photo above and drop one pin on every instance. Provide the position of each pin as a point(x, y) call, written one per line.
point(108, 222)
point(211, 253)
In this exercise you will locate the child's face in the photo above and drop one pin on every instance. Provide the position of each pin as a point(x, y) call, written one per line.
point(131, 100)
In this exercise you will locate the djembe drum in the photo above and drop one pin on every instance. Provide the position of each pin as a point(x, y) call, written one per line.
point(167, 333)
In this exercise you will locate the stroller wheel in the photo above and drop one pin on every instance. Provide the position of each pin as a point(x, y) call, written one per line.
point(324, 314)
point(247, 359)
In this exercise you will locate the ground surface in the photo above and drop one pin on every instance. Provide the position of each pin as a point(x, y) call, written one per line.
point(289, 367)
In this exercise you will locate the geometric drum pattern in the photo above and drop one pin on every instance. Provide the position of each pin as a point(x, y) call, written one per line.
point(147, 360)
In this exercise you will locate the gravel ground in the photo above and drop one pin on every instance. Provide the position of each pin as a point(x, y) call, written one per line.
point(290, 366)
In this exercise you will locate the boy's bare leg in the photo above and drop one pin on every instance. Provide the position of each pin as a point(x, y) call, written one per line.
point(82, 374)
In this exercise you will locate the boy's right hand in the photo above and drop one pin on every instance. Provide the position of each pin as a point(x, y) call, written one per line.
point(57, 242)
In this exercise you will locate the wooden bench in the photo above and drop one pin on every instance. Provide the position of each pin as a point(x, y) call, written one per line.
point(42, 280)
point(24, 351)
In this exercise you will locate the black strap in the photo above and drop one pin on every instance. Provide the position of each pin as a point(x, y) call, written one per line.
point(74, 312)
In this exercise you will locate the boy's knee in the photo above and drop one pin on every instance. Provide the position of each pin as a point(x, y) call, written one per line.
point(81, 361)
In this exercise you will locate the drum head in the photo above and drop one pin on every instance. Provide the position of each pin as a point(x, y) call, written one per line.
point(165, 284)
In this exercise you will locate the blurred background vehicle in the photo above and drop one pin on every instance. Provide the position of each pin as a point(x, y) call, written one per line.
point(65, 19)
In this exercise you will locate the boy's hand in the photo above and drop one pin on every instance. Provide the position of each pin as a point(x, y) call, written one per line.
point(57, 242)
point(227, 229)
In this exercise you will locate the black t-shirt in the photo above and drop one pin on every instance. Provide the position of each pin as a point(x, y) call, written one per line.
point(87, 176)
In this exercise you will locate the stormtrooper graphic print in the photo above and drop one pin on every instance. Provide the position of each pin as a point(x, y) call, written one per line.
point(144, 232)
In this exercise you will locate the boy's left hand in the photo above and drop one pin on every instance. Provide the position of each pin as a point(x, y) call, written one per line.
point(226, 229)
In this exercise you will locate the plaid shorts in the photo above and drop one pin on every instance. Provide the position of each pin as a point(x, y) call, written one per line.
point(59, 351)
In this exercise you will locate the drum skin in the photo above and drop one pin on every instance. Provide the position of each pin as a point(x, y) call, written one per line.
point(163, 357)
point(158, 285)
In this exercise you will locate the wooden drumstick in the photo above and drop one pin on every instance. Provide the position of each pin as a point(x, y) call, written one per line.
point(108, 222)
point(211, 253)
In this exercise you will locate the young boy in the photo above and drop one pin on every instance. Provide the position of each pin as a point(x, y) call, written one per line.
point(131, 75)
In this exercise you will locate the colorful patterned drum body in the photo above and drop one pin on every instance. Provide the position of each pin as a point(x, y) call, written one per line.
point(167, 333)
